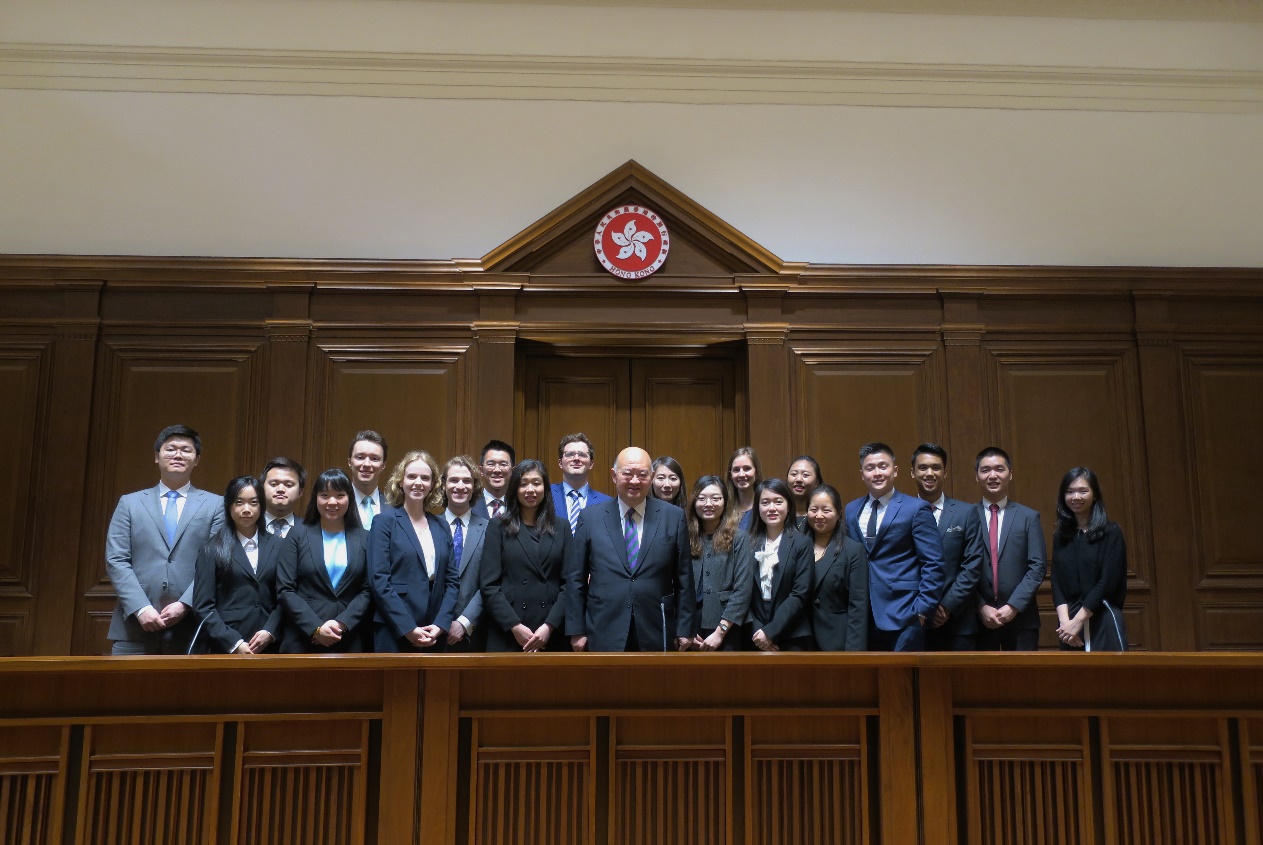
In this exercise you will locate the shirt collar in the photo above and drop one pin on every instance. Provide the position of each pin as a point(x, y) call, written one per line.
point(885, 500)
point(448, 517)
point(567, 489)
point(640, 510)
point(241, 538)
point(359, 497)
point(940, 502)
point(183, 491)
point(1003, 503)
point(488, 498)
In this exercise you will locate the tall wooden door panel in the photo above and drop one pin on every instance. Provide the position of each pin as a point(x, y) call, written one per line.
point(682, 407)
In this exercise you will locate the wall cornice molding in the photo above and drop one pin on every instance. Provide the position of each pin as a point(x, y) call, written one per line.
point(625, 79)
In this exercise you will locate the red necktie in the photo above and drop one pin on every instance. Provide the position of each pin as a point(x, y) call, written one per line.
point(994, 531)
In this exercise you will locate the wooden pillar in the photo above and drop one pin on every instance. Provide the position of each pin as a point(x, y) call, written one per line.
point(495, 335)
point(397, 795)
point(438, 758)
point(768, 374)
point(897, 731)
point(289, 335)
point(1169, 475)
point(966, 411)
point(938, 756)
point(70, 385)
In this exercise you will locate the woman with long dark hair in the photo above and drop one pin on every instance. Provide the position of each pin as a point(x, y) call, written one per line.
point(668, 482)
point(745, 473)
point(322, 574)
point(412, 572)
point(839, 609)
point(721, 567)
point(781, 582)
point(523, 575)
point(234, 585)
point(1089, 568)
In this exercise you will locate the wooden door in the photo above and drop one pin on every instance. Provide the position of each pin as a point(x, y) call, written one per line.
point(682, 407)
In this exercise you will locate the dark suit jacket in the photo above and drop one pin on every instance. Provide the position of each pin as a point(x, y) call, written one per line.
point(785, 617)
point(236, 603)
point(905, 564)
point(839, 611)
point(560, 504)
point(468, 590)
point(964, 545)
point(1023, 563)
point(402, 591)
point(523, 582)
point(308, 598)
point(722, 581)
point(603, 595)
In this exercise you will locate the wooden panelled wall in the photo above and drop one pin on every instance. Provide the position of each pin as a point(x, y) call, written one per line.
point(694, 749)
point(1152, 377)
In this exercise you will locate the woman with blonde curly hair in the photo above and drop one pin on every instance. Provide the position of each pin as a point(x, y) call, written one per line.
point(412, 572)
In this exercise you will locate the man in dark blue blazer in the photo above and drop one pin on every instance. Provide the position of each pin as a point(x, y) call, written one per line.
point(1014, 563)
point(905, 554)
point(629, 572)
point(961, 532)
point(575, 456)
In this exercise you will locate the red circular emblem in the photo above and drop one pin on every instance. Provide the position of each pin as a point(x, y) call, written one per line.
point(631, 242)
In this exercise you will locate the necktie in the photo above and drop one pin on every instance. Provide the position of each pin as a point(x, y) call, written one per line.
point(633, 542)
point(368, 509)
point(870, 533)
point(278, 527)
point(496, 504)
point(572, 510)
point(458, 539)
point(171, 518)
point(994, 531)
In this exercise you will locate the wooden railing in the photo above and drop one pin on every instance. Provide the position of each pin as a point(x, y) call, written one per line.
point(715, 748)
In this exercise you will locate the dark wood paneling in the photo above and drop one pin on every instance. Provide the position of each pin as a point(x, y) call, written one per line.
point(685, 408)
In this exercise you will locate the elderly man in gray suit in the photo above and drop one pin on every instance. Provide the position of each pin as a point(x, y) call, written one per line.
point(151, 550)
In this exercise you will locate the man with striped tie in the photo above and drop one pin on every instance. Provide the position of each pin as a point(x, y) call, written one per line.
point(575, 456)
point(629, 571)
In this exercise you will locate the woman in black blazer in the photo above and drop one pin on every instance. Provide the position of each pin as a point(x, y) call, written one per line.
point(721, 567)
point(234, 584)
point(1089, 571)
point(522, 576)
point(413, 574)
point(839, 609)
point(322, 574)
point(781, 572)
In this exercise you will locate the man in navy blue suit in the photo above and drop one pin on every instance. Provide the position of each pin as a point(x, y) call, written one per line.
point(905, 554)
point(575, 456)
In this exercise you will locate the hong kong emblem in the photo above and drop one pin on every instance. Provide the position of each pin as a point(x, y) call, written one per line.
point(631, 242)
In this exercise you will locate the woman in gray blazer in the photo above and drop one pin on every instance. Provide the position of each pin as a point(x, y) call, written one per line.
point(839, 608)
point(721, 566)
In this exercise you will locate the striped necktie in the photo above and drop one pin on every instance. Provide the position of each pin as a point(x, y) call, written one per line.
point(633, 542)
point(572, 510)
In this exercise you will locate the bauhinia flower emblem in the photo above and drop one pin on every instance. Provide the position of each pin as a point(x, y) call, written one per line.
point(631, 241)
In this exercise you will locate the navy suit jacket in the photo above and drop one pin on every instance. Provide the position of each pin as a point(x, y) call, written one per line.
point(405, 596)
point(905, 564)
point(604, 595)
point(560, 503)
point(238, 602)
point(963, 549)
point(1023, 564)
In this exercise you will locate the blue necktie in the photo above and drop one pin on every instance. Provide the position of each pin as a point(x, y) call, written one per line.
point(172, 517)
point(572, 510)
point(458, 539)
point(633, 542)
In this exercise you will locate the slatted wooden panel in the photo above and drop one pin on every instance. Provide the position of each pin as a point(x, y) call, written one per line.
point(302, 782)
point(670, 781)
point(1027, 780)
point(150, 783)
point(30, 784)
point(1252, 764)
point(807, 780)
point(1166, 781)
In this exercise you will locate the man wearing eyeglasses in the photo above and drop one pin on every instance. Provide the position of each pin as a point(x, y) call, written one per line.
point(629, 576)
point(575, 456)
point(151, 550)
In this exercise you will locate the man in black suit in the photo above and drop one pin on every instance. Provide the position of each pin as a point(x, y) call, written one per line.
point(1013, 565)
point(629, 571)
point(283, 482)
point(367, 459)
point(496, 462)
point(961, 530)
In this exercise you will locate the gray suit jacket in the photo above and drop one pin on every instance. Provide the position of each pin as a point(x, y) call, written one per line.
point(469, 599)
point(147, 570)
point(1022, 566)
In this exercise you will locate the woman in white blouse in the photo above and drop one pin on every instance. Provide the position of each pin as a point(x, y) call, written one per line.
point(782, 572)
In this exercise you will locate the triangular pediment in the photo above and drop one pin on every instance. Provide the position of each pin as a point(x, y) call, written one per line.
point(560, 243)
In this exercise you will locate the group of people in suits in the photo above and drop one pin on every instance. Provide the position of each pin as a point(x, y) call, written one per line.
point(491, 556)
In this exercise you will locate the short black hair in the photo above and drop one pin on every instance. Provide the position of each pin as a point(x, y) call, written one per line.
point(372, 437)
point(992, 452)
point(178, 431)
point(285, 463)
point(875, 447)
point(497, 446)
point(930, 449)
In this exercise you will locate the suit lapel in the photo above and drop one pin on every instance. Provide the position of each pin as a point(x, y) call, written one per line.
point(530, 547)
point(782, 552)
point(614, 525)
point(242, 560)
point(316, 539)
point(1006, 523)
point(405, 524)
point(354, 548)
point(269, 545)
point(653, 524)
point(153, 505)
point(191, 506)
point(826, 562)
point(892, 511)
point(947, 517)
